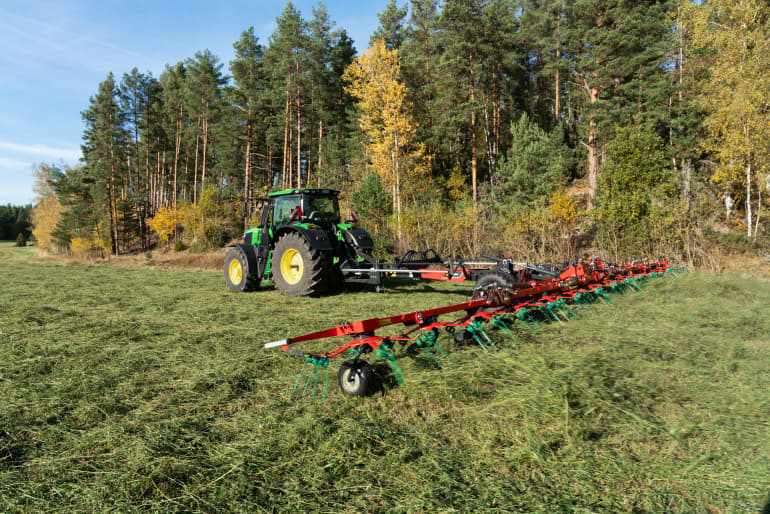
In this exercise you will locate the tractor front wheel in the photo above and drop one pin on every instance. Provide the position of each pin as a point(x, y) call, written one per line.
point(240, 271)
point(299, 269)
point(356, 378)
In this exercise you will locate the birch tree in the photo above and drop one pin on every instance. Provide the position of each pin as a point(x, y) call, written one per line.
point(391, 146)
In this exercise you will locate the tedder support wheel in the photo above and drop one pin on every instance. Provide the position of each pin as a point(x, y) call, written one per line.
point(356, 378)
point(240, 271)
point(494, 277)
point(299, 269)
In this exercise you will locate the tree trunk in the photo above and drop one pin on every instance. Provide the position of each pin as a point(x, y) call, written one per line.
point(247, 178)
point(285, 136)
point(748, 197)
point(759, 211)
point(474, 161)
point(195, 182)
point(397, 199)
point(205, 153)
point(177, 148)
point(728, 199)
point(593, 153)
point(320, 148)
point(299, 134)
point(686, 165)
point(557, 94)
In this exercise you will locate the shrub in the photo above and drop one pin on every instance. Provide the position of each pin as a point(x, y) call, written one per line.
point(215, 236)
point(179, 246)
point(165, 222)
point(20, 241)
point(83, 247)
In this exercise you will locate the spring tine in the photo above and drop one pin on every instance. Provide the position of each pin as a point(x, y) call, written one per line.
point(474, 328)
point(315, 384)
point(384, 353)
point(566, 312)
point(326, 383)
point(498, 322)
point(300, 376)
point(432, 357)
point(309, 377)
point(442, 352)
point(521, 318)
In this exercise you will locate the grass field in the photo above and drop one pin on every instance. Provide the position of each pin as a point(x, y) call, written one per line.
point(148, 389)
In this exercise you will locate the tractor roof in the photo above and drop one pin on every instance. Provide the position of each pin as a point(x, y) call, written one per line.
point(306, 191)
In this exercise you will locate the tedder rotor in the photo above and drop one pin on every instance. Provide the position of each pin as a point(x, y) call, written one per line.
point(499, 302)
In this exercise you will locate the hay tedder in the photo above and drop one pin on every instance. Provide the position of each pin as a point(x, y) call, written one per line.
point(501, 301)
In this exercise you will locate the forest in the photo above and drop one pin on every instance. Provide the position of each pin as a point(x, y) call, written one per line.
point(15, 221)
point(542, 129)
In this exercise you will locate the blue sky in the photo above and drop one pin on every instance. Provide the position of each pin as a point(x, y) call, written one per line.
point(53, 54)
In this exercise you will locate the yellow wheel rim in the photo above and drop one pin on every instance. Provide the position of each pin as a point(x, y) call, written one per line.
point(292, 266)
point(235, 270)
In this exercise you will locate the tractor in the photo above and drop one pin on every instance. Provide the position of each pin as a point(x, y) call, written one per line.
point(301, 245)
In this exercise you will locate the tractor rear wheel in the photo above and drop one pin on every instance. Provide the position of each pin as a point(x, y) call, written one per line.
point(299, 269)
point(356, 378)
point(240, 271)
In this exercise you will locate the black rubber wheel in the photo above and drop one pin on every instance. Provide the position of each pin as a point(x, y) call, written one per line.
point(240, 270)
point(355, 378)
point(493, 277)
point(298, 269)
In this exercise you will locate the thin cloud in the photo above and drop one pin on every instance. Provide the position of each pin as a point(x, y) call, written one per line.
point(41, 151)
point(13, 164)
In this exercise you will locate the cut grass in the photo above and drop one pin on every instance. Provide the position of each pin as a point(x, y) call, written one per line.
point(148, 389)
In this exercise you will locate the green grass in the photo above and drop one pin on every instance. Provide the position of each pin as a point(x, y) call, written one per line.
point(144, 389)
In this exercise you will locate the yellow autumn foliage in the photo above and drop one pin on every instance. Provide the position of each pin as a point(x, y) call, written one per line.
point(391, 145)
point(47, 210)
point(165, 222)
point(83, 247)
point(561, 207)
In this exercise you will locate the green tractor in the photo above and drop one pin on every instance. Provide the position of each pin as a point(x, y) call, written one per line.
point(301, 245)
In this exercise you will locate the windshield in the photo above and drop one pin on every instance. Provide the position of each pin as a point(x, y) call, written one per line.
point(322, 208)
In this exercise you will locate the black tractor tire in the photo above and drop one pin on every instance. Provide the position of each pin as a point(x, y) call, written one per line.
point(299, 269)
point(493, 277)
point(240, 270)
point(356, 378)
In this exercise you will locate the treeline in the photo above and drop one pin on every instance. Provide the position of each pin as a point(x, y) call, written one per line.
point(15, 220)
point(537, 127)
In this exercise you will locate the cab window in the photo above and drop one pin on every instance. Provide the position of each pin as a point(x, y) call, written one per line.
point(322, 208)
point(283, 207)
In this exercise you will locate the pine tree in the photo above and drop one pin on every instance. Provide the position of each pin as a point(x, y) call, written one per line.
point(250, 85)
point(391, 29)
point(460, 71)
point(174, 120)
point(204, 100)
point(419, 56)
point(286, 60)
point(105, 147)
point(617, 51)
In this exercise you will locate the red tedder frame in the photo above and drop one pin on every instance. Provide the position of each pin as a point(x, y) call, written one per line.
point(583, 277)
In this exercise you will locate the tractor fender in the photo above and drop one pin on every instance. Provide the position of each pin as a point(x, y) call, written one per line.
point(317, 239)
point(358, 238)
point(250, 252)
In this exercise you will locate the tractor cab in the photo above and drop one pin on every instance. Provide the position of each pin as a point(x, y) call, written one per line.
point(309, 206)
